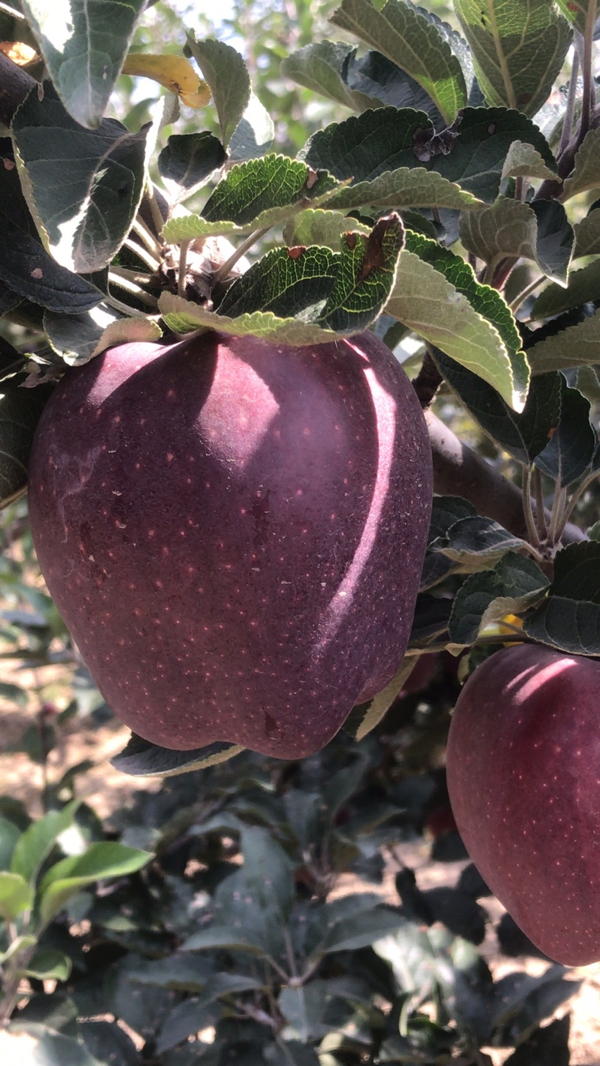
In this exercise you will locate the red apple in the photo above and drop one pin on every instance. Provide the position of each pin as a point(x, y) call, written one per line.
point(523, 765)
point(234, 532)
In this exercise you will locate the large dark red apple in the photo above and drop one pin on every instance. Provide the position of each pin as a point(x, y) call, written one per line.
point(523, 766)
point(234, 531)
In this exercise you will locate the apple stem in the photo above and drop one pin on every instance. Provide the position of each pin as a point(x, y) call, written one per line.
point(222, 272)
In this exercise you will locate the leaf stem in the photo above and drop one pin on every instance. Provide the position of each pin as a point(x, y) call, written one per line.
point(12, 11)
point(575, 498)
point(125, 283)
point(146, 235)
point(585, 48)
point(142, 253)
point(557, 516)
point(228, 265)
point(125, 309)
point(532, 531)
point(565, 136)
point(540, 510)
point(522, 296)
point(181, 273)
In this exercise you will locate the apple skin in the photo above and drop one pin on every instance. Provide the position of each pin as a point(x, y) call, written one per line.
point(523, 766)
point(234, 532)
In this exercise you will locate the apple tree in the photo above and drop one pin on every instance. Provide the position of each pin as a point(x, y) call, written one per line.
point(211, 301)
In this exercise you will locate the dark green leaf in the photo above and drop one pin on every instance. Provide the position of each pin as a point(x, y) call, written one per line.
point(179, 972)
point(359, 929)
point(185, 1020)
point(108, 1043)
point(286, 284)
point(20, 411)
point(141, 758)
point(547, 1046)
point(189, 159)
point(569, 618)
point(514, 585)
point(584, 285)
point(49, 965)
point(83, 186)
point(445, 512)
point(476, 542)
point(361, 148)
point(522, 434)
point(54, 1049)
point(571, 448)
point(587, 234)
point(84, 46)
point(575, 345)
point(221, 936)
point(555, 239)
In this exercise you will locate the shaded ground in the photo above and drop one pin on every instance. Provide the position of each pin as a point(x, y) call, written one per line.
point(106, 790)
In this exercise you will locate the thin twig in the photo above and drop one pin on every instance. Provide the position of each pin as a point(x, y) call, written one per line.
point(557, 516)
point(522, 296)
point(125, 309)
point(575, 498)
point(540, 514)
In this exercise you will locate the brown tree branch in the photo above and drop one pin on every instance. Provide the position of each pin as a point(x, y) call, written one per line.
point(459, 471)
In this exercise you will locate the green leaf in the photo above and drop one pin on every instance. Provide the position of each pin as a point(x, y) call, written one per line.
point(84, 46)
point(483, 298)
point(571, 448)
point(515, 584)
point(16, 895)
point(404, 188)
point(364, 717)
point(188, 159)
point(36, 843)
point(400, 32)
point(321, 67)
point(522, 434)
point(580, 13)
point(48, 964)
point(320, 226)
point(141, 758)
point(100, 861)
point(287, 282)
point(574, 346)
point(20, 411)
point(586, 170)
point(9, 835)
point(507, 229)
point(569, 618)
point(268, 872)
point(254, 134)
point(13, 693)
point(225, 72)
point(365, 146)
point(259, 184)
point(182, 316)
point(584, 285)
point(78, 338)
point(518, 46)
point(83, 187)
point(523, 160)
point(587, 235)
point(365, 276)
point(184, 973)
point(430, 305)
